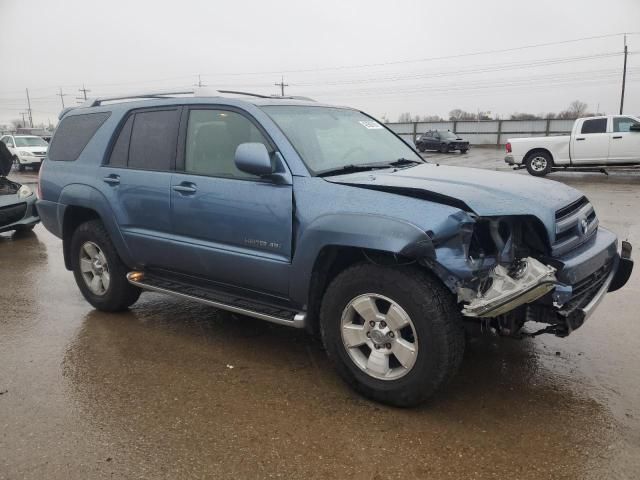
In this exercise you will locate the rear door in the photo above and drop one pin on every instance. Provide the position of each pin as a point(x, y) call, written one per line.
point(624, 146)
point(136, 180)
point(591, 142)
point(230, 226)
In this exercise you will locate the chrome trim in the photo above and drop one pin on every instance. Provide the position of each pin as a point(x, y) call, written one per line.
point(298, 320)
point(590, 307)
point(573, 218)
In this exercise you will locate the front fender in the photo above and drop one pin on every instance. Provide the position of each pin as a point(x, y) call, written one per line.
point(370, 231)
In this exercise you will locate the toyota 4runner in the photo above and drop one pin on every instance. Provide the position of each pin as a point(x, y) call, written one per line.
point(319, 217)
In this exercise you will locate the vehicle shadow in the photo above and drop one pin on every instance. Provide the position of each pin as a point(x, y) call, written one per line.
point(204, 380)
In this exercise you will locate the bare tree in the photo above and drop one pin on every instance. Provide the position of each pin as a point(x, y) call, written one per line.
point(457, 114)
point(525, 116)
point(405, 118)
point(17, 123)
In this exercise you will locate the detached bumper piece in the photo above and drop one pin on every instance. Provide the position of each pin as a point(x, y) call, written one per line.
point(510, 289)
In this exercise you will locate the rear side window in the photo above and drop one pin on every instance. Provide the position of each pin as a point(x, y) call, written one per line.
point(597, 125)
point(73, 134)
point(153, 140)
point(120, 152)
point(147, 141)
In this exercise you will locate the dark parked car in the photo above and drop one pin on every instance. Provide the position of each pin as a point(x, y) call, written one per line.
point(17, 202)
point(442, 140)
point(319, 217)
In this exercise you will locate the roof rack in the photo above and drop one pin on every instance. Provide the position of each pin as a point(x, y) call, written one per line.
point(199, 92)
point(95, 102)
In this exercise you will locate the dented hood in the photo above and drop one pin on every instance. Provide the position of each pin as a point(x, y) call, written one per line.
point(484, 192)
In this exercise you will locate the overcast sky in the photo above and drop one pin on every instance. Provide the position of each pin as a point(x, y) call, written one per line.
point(385, 57)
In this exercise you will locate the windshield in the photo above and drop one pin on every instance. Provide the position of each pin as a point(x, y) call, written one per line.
point(330, 138)
point(448, 135)
point(30, 142)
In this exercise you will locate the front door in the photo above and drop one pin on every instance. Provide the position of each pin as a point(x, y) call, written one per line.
point(232, 227)
point(625, 144)
point(591, 143)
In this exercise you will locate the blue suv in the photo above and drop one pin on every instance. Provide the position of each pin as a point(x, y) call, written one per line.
point(319, 217)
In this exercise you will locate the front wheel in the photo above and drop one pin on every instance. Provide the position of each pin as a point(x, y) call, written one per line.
point(444, 148)
point(98, 269)
point(539, 164)
point(464, 150)
point(19, 167)
point(393, 333)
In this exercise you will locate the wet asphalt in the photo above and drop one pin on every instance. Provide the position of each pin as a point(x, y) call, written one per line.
point(172, 389)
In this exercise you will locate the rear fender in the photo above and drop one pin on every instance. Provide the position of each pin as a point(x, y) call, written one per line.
point(80, 195)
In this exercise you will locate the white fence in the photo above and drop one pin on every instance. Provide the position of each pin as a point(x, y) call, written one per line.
point(486, 132)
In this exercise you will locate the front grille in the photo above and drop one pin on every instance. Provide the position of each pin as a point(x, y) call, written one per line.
point(575, 224)
point(593, 281)
point(9, 215)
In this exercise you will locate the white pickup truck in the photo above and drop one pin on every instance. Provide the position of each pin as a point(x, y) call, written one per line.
point(612, 140)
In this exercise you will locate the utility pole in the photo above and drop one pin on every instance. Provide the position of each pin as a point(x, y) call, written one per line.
point(199, 84)
point(84, 93)
point(624, 75)
point(23, 122)
point(29, 104)
point(281, 85)
point(61, 95)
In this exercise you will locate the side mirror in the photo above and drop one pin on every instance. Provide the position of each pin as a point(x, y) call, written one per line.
point(253, 158)
point(635, 127)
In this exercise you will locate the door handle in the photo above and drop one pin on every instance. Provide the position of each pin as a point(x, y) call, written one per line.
point(618, 136)
point(185, 188)
point(112, 179)
point(578, 139)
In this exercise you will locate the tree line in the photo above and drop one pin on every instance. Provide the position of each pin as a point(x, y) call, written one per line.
point(576, 109)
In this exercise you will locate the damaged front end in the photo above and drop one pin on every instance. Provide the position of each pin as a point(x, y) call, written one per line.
point(504, 275)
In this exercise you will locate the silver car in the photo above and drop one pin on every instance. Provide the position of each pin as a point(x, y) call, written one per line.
point(17, 202)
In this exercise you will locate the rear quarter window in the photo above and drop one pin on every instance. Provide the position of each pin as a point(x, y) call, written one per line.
point(73, 134)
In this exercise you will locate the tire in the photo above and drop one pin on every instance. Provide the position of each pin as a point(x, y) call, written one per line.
point(421, 149)
point(539, 163)
point(444, 148)
point(118, 294)
point(464, 150)
point(25, 228)
point(435, 327)
point(19, 166)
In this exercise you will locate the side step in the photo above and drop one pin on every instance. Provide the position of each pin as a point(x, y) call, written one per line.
point(223, 301)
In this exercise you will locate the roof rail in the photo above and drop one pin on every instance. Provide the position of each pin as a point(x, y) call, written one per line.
point(94, 102)
point(198, 92)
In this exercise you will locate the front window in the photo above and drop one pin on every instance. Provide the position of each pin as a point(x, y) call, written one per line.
point(30, 142)
point(331, 138)
point(623, 124)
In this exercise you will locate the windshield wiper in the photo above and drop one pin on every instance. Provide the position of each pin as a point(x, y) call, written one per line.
point(404, 161)
point(353, 168)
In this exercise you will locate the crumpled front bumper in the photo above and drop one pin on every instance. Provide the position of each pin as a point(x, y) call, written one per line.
point(567, 294)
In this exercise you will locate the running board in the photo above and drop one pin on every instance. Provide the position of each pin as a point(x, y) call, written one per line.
point(226, 302)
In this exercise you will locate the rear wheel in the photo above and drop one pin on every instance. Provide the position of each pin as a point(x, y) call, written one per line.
point(393, 334)
point(539, 163)
point(98, 269)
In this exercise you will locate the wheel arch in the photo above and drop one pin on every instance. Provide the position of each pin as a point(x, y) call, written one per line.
point(535, 150)
point(79, 204)
point(335, 242)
